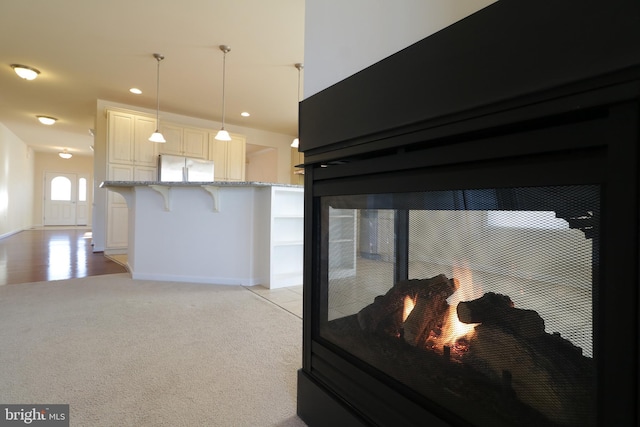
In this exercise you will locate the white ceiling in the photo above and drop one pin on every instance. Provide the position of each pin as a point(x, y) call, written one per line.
point(88, 50)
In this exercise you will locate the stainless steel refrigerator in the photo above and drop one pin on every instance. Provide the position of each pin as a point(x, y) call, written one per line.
point(184, 169)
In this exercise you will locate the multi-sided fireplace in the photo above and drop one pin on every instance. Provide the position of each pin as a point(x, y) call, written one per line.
point(471, 230)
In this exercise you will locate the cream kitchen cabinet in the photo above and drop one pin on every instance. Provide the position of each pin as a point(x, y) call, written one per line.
point(117, 211)
point(131, 157)
point(228, 157)
point(184, 141)
point(128, 139)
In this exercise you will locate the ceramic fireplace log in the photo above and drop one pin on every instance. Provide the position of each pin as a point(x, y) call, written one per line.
point(384, 315)
point(543, 374)
point(425, 317)
point(496, 309)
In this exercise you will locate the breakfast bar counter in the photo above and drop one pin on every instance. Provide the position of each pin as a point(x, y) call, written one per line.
point(222, 232)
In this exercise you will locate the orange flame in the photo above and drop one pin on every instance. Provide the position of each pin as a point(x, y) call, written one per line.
point(409, 304)
point(454, 329)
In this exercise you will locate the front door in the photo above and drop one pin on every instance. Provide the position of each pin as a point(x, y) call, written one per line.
point(63, 204)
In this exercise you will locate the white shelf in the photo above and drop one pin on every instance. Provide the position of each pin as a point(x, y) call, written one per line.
point(286, 246)
point(288, 243)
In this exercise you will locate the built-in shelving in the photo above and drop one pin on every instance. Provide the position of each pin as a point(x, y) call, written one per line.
point(286, 237)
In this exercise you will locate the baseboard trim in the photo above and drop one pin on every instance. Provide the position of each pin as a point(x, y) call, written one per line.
point(197, 279)
point(11, 233)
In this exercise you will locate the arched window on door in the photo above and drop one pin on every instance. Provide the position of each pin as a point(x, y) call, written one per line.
point(61, 188)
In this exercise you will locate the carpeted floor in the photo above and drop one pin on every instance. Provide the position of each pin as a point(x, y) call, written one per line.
point(141, 353)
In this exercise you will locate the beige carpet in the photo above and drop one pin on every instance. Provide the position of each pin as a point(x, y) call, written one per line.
point(125, 352)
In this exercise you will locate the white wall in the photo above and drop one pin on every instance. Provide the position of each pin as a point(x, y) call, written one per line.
point(16, 183)
point(260, 163)
point(344, 37)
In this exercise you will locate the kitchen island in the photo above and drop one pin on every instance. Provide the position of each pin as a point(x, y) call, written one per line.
point(222, 232)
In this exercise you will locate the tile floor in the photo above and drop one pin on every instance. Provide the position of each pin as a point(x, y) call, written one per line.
point(289, 298)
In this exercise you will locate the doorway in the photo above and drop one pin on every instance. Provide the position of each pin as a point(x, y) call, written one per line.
point(261, 163)
point(65, 199)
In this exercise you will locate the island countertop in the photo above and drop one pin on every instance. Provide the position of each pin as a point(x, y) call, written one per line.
point(105, 184)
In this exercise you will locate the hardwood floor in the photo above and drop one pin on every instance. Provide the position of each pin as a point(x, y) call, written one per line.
point(51, 253)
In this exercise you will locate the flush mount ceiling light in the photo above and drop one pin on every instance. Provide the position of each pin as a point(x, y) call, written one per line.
point(245, 114)
point(135, 90)
point(222, 134)
point(25, 72)
point(157, 136)
point(299, 66)
point(65, 154)
point(46, 120)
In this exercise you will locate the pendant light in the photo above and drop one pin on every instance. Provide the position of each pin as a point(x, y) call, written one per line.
point(157, 136)
point(223, 135)
point(299, 66)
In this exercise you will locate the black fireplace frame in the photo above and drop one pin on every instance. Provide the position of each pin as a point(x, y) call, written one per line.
point(512, 87)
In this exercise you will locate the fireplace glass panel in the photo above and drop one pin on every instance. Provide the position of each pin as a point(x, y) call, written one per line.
point(478, 302)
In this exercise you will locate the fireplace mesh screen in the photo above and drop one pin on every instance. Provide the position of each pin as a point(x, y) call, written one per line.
point(476, 299)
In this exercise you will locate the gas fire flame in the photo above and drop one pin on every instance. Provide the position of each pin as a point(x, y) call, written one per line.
point(409, 304)
point(453, 330)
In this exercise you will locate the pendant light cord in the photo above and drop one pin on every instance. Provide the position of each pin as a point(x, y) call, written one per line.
point(222, 134)
point(299, 67)
point(224, 72)
point(296, 141)
point(159, 58)
point(158, 95)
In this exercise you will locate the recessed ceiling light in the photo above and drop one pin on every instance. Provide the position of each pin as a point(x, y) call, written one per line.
point(245, 114)
point(135, 90)
point(46, 120)
point(27, 73)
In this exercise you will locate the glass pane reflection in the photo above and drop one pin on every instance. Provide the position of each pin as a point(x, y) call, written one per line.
point(61, 188)
point(59, 251)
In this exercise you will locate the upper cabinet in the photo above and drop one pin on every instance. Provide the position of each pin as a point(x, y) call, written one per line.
point(228, 157)
point(184, 141)
point(128, 144)
point(120, 137)
point(131, 157)
point(128, 139)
